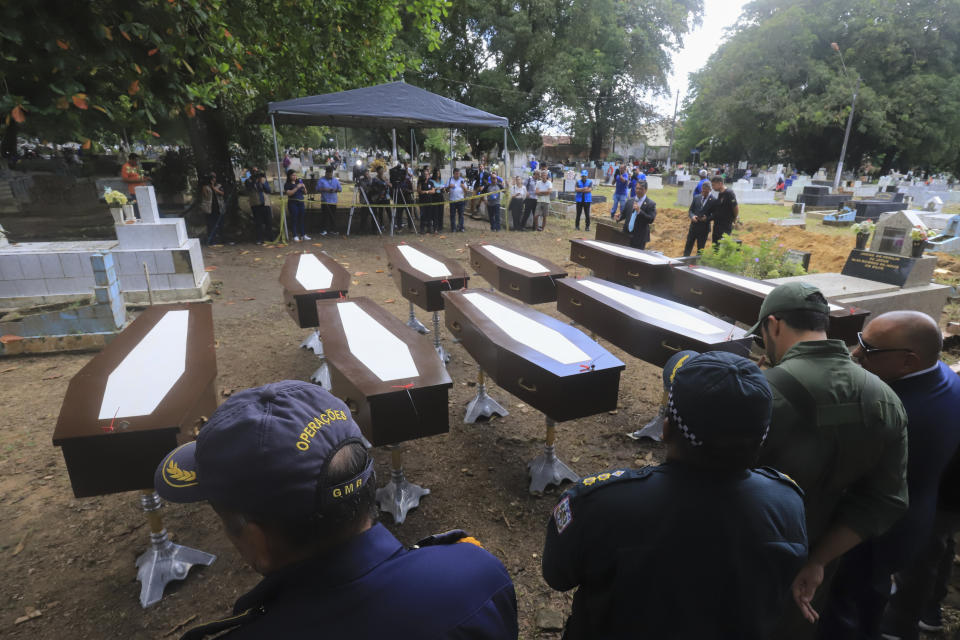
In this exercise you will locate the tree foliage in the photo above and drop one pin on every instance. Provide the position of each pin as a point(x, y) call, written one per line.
point(777, 90)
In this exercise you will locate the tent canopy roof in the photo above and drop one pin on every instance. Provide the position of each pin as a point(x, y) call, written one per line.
point(393, 105)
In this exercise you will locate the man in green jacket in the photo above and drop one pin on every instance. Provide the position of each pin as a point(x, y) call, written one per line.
point(837, 430)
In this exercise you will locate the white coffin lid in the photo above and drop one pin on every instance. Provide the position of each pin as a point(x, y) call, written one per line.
point(655, 310)
point(629, 252)
point(312, 274)
point(527, 331)
point(516, 260)
point(383, 353)
point(423, 263)
point(145, 376)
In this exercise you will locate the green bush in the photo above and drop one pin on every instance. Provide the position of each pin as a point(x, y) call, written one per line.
point(768, 260)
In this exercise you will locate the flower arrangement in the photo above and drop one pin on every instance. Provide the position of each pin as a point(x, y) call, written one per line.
point(919, 234)
point(864, 228)
point(114, 198)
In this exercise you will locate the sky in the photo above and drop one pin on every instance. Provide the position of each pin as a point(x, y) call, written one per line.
point(698, 45)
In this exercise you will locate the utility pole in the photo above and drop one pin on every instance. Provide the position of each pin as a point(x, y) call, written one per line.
point(853, 105)
point(673, 128)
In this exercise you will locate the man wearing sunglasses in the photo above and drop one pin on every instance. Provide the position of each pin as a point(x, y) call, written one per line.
point(837, 430)
point(903, 348)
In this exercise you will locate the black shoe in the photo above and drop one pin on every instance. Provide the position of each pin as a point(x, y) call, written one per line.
point(576, 228)
point(587, 229)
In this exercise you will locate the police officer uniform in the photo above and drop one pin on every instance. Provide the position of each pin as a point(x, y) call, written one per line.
point(265, 455)
point(683, 550)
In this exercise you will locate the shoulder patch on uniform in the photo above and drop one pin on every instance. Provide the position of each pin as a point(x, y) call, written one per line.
point(562, 514)
point(592, 483)
point(783, 478)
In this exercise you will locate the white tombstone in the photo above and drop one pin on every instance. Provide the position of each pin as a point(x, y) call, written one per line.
point(934, 205)
point(147, 203)
point(4, 242)
point(892, 234)
point(821, 174)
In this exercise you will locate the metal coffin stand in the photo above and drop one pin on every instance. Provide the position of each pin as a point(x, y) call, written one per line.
point(740, 298)
point(647, 327)
point(519, 275)
point(563, 390)
point(647, 270)
point(422, 275)
point(391, 411)
point(111, 450)
point(320, 278)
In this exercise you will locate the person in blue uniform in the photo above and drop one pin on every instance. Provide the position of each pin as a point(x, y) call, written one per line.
point(285, 468)
point(584, 198)
point(702, 546)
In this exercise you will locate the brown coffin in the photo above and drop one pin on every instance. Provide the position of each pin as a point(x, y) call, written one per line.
point(643, 325)
point(516, 273)
point(421, 287)
point(632, 267)
point(411, 405)
point(607, 232)
point(308, 277)
point(107, 449)
point(545, 362)
point(740, 297)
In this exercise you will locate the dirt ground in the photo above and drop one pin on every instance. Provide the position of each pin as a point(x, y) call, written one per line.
point(73, 560)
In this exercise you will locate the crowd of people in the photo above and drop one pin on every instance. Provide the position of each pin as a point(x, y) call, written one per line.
point(796, 491)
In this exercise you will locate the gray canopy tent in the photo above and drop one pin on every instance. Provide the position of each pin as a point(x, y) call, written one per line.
point(394, 104)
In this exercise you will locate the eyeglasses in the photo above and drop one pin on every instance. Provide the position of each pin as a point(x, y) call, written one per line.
point(870, 350)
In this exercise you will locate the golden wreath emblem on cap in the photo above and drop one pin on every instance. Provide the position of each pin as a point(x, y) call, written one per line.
point(175, 472)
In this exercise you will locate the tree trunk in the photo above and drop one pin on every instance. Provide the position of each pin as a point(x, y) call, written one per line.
point(8, 144)
point(211, 150)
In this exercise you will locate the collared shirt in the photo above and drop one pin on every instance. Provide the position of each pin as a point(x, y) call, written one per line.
point(493, 193)
point(920, 373)
point(851, 459)
point(331, 183)
point(456, 188)
point(372, 587)
point(621, 182)
point(544, 185)
point(636, 212)
point(288, 185)
point(699, 187)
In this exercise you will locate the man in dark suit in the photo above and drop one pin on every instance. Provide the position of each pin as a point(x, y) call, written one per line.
point(638, 215)
point(701, 213)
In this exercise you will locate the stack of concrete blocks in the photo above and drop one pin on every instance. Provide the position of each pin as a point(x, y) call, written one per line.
point(80, 327)
point(654, 182)
point(746, 194)
point(796, 188)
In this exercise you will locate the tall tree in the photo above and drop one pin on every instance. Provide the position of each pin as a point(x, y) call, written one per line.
point(610, 54)
point(777, 90)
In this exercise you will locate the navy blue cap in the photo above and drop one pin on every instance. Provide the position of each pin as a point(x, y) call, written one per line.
point(674, 364)
point(265, 451)
point(720, 399)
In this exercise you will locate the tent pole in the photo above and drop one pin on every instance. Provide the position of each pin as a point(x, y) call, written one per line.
point(394, 135)
point(506, 179)
point(276, 152)
point(452, 161)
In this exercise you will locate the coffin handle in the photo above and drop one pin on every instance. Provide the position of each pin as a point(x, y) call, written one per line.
point(532, 388)
point(476, 265)
point(633, 274)
point(514, 287)
point(413, 291)
point(581, 256)
point(666, 346)
point(576, 302)
point(696, 292)
point(455, 326)
point(352, 406)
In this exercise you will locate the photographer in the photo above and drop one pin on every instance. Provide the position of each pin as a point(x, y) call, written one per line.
point(211, 203)
point(328, 187)
point(295, 190)
point(258, 195)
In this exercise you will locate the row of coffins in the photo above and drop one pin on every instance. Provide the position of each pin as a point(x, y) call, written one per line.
point(152, 388)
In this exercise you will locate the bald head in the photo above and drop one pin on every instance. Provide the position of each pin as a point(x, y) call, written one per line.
point(913, 330)
point(899, 343)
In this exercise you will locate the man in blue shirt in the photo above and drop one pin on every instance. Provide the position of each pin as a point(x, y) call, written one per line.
point(902, 348)
point(285, 468)
point(703, 180)
point(456, 190)
point(703, 546)
point(584, 197)
point(621, 181)
point(328, 187)
point(493, 188)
